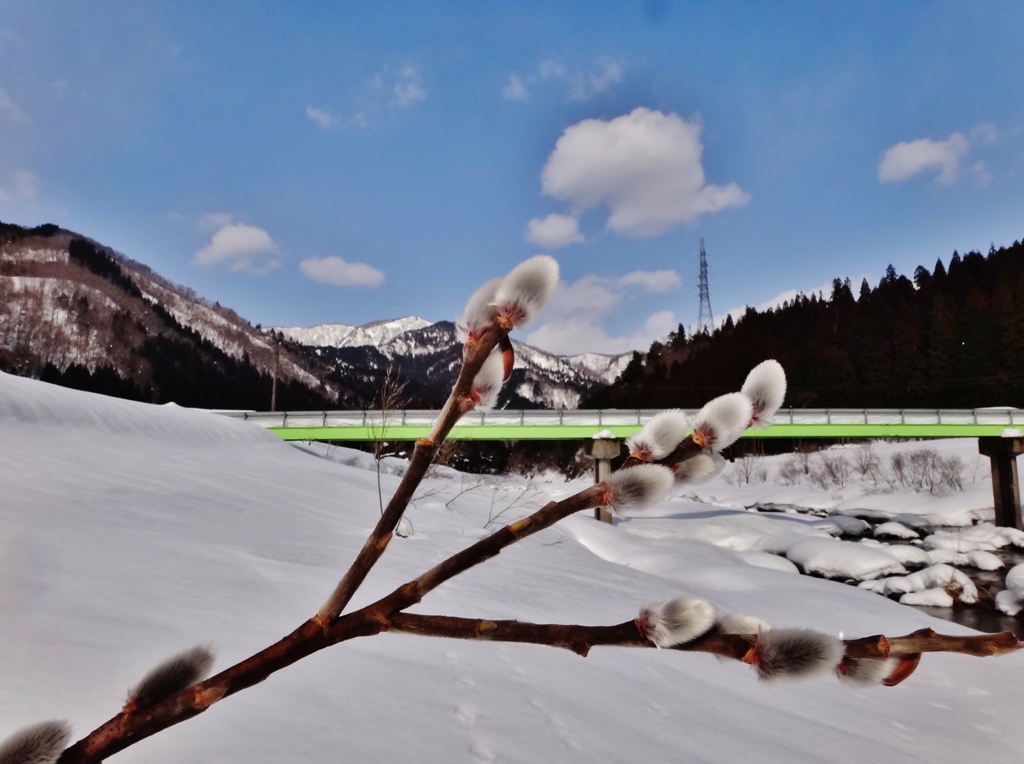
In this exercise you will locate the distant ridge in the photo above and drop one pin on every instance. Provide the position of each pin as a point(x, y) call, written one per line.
point(426, 355)
point(82, 315)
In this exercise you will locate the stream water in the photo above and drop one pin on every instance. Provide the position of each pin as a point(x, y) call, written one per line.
point(983, 615)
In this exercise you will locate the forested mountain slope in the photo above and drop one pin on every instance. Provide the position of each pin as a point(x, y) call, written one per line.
point(950, 337)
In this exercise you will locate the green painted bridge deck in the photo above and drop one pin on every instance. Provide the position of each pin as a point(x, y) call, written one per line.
point(582, 424)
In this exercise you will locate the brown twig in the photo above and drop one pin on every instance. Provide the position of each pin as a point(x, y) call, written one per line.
point(687, 449)
point(474, 354)
point(579, 639)
point(927, 641)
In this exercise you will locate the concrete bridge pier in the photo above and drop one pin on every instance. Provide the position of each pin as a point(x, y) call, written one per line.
point(1003, 454)
point(602, 451)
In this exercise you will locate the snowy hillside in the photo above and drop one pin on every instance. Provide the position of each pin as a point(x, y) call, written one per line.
point(70, 308)
point(129, 531)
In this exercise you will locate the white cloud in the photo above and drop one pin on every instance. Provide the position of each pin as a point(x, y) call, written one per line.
point(907, 159)
point(645, 166)
point(334, 270)
point(11, 112)
point(514, 89)
point(242, 247)
point(22, 185)
point(547, 70)
point(652, 281)
point(212, 221)
point(321, 117)
point(981, 174)
point(779, 300)
point(573, 336)
point(389, 91)
point(408, 89)
point(554, 231)
point(583, 83)
point(584, 86)
point(576, 316)
point(985, 134)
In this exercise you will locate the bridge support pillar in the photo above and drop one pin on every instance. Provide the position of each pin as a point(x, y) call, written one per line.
point(602, 451)
point(1005, 486)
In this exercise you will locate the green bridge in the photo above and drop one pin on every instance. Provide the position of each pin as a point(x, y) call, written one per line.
point(998, 430)
point(579, 424)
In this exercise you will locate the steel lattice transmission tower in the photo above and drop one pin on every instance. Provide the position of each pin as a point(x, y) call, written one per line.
point(705, 321)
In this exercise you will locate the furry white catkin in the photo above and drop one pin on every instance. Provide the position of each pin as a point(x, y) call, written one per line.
point(865, 671)
point(480, 311)
point(639, 486)
point(173, 675)
point(699, 468)
point(526, 290)
point(678, 621)
point(659, 436)
point(487, 382)
point(41, 743)
point(722, 420)
point(766, 387)
point(795, 653)
point(740, 623)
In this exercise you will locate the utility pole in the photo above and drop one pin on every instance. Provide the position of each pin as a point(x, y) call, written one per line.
point(273, 385)
point(705, 321)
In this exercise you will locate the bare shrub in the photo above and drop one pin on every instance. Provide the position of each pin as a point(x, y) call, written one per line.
point(761, 474)
point(791, 472)
point(743, 470)
point(927, 470)
point(836, 469)
point(803, 458)
point(819, 478)
point(951, 470)
point(923, 472)
point(865, 460)
point(391, 401)
point(898, 465)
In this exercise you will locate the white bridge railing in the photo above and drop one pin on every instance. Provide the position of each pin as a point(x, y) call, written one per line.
point(1008, 417)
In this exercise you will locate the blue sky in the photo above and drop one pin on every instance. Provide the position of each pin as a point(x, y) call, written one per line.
point(323, 162)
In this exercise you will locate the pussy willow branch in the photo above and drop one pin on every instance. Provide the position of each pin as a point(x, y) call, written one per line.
point(475, 352)
point(580, 639)
point(129, 727)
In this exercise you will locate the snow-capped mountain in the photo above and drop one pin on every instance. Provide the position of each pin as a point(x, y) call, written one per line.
point(346, 336)
point(426, 356)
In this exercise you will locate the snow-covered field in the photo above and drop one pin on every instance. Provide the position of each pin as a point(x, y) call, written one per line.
point(128, 532)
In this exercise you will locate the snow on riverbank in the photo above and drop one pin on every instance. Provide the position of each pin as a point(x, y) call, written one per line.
point(128, 532)
point(796, 507)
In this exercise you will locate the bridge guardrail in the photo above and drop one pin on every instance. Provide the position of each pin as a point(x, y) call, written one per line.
point(1007, 417)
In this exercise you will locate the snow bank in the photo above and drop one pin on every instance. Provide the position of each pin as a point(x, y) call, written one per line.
point(942, 577)
point(27, 402)
point(129, 532)
point(843, 559)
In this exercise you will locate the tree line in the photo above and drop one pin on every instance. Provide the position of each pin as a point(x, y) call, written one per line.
point(951, 337)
